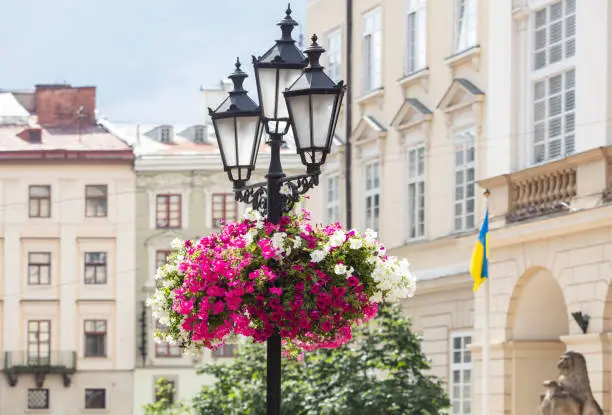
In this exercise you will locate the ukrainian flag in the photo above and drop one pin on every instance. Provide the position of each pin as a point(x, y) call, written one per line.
point(479, 266)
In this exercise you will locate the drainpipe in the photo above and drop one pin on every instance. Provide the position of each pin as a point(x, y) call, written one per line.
point(349, 121)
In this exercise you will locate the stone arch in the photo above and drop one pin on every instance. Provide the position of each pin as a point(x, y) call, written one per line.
point(537, 310)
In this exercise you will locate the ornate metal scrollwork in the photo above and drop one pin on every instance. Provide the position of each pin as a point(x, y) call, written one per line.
point(292, 188)
point(255, 195)
point(298, 186)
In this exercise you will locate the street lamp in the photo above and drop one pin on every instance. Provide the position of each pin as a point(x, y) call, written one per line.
point(295, 93)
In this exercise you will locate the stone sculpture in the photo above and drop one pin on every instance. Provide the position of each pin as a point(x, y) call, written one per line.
point(571, 393)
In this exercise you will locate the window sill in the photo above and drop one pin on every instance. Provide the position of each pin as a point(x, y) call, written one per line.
point(470, 55)
point(415, 241)
point(420, 76)
point(371, 97)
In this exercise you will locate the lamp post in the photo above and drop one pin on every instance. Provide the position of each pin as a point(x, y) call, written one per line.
point(295, 93)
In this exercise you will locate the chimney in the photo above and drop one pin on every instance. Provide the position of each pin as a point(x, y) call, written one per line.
point(62, 105)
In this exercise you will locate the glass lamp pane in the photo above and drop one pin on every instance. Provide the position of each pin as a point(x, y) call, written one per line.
point(286, 78)
point(322, 114)
point(227, 138)
point(266, 77)
point(300, 109)
point(247, 133)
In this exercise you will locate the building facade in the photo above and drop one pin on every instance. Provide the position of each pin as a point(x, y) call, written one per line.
point(418, 144)
point(513, 99)
point(67, 253)
point(182, 192)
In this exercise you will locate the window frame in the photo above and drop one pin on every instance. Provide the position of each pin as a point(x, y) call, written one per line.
point(224, 198)
point(332, 181)
point(545, 74)
point(372, 221)
point(466, 146)
point(165, 134)
point(226, 351)
point(93, 390)
point(167, 206)
point(96, 265)
point(334, 54)
point(97, 212)
point(169, 351)
point(39, 200)
point(417, 9)
point(462, 366)
point(418, 180)
point(371, 67)
point(471, 18)
point(47, 398)
point(40, 266)
point(199, 134)
point(98, 334)
point(173, 382)
point(40, 358)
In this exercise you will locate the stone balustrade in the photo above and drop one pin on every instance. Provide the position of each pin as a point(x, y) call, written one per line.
point(577, 182)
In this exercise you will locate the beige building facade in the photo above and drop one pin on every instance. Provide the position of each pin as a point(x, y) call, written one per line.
point(455, 100)
point(67, 256)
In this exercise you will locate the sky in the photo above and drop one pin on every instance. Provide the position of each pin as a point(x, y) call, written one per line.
point(147, 58)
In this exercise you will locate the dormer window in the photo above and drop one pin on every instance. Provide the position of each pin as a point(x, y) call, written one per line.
point(35, 136)
point(199, 134)
point(165, 134)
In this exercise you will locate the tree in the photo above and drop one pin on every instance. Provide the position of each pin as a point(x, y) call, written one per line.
point(382, 371)
point(164, 403)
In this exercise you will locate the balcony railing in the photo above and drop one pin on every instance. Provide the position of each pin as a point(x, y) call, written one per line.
point(576, 182)
point(40, 364)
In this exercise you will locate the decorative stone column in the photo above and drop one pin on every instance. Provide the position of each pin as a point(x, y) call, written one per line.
point(500, 378)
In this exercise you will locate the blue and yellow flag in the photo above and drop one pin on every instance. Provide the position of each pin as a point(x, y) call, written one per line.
point(479, 266)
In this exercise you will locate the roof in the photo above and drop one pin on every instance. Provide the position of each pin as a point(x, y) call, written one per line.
point(15, 120)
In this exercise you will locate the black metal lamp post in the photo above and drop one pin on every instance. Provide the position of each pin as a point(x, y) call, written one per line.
point(293, 92)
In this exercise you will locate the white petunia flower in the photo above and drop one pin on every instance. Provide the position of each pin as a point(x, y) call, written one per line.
point(355, 243)
point(297, 242)
point(285, 190)
point(318, 256)
point(340, 269)
point(176, 243)
point(370, 236)
point(337, 238)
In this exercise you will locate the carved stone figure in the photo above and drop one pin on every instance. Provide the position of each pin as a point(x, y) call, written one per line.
point(572, 390)
point(556, 401)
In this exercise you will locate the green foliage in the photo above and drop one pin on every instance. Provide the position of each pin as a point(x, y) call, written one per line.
point(164, 403)
point(380, 372)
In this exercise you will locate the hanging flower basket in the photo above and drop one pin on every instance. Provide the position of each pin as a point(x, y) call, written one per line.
point(310, 282)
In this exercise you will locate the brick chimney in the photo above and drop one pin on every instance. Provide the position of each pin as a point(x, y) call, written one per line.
point(62, 105)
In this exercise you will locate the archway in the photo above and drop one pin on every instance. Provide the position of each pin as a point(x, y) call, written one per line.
point(537, 318)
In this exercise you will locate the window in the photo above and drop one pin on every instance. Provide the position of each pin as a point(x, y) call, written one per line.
point(165, 390)
point(461, 374)
point(40, 201)
point(161, 257)
point(96, 201)
point(554, 116)
point(416, 192)
point(39, 268)
point(372, 50)
point(95, 398)
point(465, 24)
point(334, 54)
point(554, 33)
point(227, 350)
point(166, 349)
point(464, 181)
point(38, 398)
point(165, 134)
point(168, 212)
point(95, 268)
point(333, 199)
point(416, 35)
point(224, 207)
point(95, 338)
point(554, 82)
point(39, 342)
point(199, 134)
point(372, 195)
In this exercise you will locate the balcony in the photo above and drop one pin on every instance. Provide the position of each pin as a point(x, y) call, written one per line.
point(575, 183)
point(39, 365)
